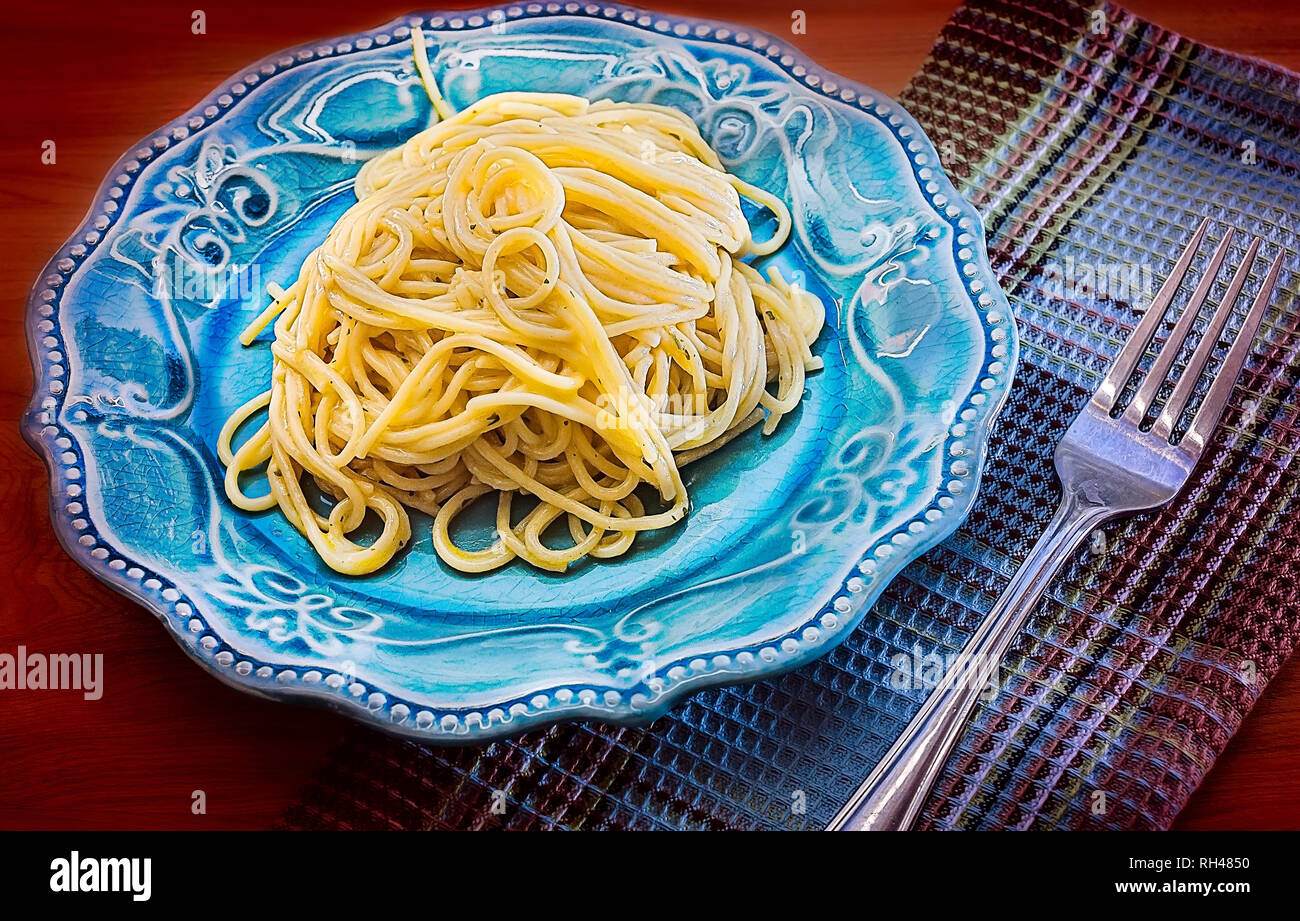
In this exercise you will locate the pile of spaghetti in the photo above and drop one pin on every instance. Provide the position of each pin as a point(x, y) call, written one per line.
point(539, 296)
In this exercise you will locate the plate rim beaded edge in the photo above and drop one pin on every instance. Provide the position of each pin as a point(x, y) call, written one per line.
point(371, 705)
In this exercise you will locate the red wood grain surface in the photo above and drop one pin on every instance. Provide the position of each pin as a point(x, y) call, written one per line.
point(97, 77)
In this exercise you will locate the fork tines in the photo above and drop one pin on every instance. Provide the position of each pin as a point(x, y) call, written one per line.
point(1184, 382)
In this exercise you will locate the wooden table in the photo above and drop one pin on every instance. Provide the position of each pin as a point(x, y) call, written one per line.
point(95, 79)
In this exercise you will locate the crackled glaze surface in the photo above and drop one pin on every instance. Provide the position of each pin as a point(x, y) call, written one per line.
point(791, 536)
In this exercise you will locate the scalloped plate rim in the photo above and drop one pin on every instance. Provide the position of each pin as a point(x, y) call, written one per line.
point(320, 695)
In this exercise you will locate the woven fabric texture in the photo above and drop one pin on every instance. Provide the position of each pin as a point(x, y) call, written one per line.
point(1092, 143)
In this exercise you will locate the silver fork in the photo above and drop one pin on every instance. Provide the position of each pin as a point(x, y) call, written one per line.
point(1108, 467)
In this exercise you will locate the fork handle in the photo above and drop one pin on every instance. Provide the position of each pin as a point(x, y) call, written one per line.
point(891, 797)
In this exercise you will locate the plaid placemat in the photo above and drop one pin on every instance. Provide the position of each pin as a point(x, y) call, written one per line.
point(1092, 142)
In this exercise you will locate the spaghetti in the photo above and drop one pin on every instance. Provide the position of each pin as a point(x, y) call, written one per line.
point(539, 296)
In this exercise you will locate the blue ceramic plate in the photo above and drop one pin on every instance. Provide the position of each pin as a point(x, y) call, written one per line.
point(791, 537)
